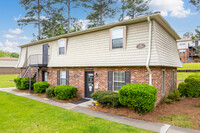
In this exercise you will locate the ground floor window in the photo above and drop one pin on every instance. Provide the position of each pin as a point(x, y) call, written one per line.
point(63, 78)
point(118, 80)
point(163, 82)
point(173, 79)
point(44, 76)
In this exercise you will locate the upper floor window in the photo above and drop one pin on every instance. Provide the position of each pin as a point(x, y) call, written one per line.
point(181, 51)
point(62, 46)
point(118, 37)
point(181, 44)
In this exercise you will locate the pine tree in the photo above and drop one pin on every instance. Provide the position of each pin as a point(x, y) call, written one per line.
point(34, 10)
point(69, 4)
point(100, 9)
point(55, 24)
point(196, 3)
point(134, 8)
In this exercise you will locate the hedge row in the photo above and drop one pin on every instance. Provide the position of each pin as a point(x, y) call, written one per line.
point(63, 92)
point(140, 97)
point(191, 86)
point(40, 87)
point(23, 83)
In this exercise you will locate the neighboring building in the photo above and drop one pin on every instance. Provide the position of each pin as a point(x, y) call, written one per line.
point(7, 65)
point(187, 48)
point(140, 50)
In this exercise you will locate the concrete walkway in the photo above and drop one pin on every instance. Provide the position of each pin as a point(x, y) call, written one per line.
point(83, 108)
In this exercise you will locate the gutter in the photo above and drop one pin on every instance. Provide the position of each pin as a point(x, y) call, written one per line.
point(149, 52)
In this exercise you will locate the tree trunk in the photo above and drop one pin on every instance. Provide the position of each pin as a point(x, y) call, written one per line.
point(68, 19)
point(123, 11)
point(101, 14)
point(39, 31)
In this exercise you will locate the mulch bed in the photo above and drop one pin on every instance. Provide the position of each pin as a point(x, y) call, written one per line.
point(185, 106)
point(43, 95)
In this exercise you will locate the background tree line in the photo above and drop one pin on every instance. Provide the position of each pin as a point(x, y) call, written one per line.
point(9, 54)
point(59, 20)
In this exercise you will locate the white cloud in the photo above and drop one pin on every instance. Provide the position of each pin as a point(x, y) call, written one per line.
point(11, 43)
point(84, 23)
point(16, 31)
point(14, 37)
point(21, 17)
point(9, 46)
point(127, 17)
point(1, 44)
point(8, 36)
point(173, 8)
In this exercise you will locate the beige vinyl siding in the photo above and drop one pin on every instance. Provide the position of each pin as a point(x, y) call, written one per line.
point(92, 49)
point(23, 57)
point(166, 47)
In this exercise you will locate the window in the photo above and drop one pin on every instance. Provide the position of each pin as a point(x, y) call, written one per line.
point(181, 51)
point(62, 46)
point(44, 76)
point(63, 78)
point(182, 44)
point(118, 37)
point(118, 80)
point(196, 43)
point(163, 83)
point(173, 79)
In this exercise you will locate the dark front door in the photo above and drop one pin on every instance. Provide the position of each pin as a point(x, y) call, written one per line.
point(45, 54)
point(89, 84)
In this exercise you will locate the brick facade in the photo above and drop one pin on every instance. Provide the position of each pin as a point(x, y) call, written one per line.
point(138, 75)
point(187, 56)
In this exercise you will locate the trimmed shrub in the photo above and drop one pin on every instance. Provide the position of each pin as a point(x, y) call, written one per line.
point(25, 83)
point(106, 98)
point(65, 92)
point(40, 87)
point(191, 86)
point(140, 97)
point(183, 88)
point(18, 82)
point(50, 92)
point(174, 95)
point(166, 100)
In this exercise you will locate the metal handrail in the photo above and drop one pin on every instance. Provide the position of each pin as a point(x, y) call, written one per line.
point(34, 59)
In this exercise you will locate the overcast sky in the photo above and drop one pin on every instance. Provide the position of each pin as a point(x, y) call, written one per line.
point(180, 14)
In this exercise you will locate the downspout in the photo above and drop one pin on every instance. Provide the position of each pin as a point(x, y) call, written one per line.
point(149, 52)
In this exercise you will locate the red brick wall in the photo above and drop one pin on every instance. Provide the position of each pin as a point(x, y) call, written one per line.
point(138, 75)
point(184, 56)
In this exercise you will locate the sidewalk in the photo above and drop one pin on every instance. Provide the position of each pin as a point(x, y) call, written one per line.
point(83, 108)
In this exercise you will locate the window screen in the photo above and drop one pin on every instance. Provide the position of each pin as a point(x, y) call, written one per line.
point(119, 80)
point(117, 38)
point(63, 78)
point(62, 46)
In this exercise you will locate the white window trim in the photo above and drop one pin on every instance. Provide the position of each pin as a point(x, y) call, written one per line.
point(117, 81)
point(163, 70)
point(124, 37)
point(60, 77)
point(65, 46)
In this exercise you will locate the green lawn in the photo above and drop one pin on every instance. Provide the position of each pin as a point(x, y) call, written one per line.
point(190, 66)
point(19, 114)
point(181, 120)
point(7, 80)
point(184, 75)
